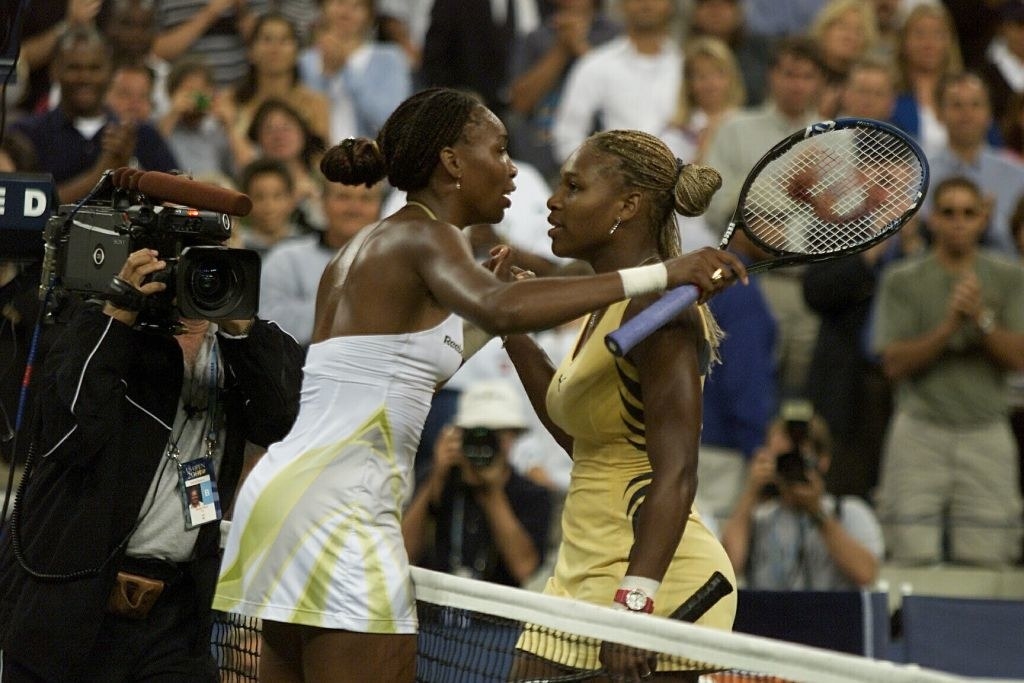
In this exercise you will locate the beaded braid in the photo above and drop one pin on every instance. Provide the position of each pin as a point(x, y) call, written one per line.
point(645, 162)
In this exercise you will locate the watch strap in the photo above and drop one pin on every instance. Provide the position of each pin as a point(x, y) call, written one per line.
point(629, 598)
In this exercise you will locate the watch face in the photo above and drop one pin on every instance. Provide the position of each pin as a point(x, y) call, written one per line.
point(636, 600)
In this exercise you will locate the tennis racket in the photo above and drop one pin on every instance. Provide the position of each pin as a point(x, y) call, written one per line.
point(832, 189)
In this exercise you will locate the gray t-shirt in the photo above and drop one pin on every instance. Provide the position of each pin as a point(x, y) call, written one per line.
point(964, 387)
point(787, 551)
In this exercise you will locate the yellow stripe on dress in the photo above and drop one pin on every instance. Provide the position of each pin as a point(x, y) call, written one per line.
point(280, 497)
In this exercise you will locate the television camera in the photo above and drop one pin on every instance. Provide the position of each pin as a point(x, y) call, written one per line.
point(86, 244)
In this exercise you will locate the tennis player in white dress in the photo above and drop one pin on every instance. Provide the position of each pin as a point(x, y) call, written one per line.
point(319, 544)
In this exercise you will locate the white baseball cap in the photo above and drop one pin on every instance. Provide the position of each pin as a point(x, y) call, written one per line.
point(493, 404)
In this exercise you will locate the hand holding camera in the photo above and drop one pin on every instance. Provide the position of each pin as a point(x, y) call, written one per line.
point(806, 495)
point(136, 280)
point(140, 265)
point(481, 468)
point(761, 471)
point(447, 453)
point(471, 451)
point(796, 474)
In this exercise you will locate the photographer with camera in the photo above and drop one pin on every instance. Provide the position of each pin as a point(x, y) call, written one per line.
point(107, 572)
point(474, 515)
point(787, 532)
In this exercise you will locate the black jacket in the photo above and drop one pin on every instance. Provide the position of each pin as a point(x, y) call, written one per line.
point(107, 393)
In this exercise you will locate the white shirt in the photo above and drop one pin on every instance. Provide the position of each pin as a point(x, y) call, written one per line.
point(1008, 64)
point(621, 87)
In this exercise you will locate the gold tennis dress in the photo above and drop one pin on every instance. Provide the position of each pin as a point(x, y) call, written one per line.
point(595, 398)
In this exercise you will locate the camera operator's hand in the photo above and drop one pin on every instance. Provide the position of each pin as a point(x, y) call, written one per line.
point(485, 479)
point(761, 470)
point(805, 495)
point(136, 268)
point(447, 451)
point(447, 454)
point(235, 328)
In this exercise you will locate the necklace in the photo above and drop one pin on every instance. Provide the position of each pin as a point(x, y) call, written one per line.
point(426, 209)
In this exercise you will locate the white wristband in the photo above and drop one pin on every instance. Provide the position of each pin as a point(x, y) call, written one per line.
point(648, 586)
point(644, 279)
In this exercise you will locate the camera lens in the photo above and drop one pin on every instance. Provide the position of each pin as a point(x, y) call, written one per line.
point(217, 282)
point(212, 283)
point(479, 445)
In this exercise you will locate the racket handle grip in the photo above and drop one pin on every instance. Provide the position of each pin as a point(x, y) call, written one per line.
point(703, 599)
point(640, 326)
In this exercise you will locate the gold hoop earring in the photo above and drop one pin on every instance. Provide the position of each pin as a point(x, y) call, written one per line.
point(618, 221)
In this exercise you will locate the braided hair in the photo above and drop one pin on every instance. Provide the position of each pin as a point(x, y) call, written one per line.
point(669, 186)
point(408, 146)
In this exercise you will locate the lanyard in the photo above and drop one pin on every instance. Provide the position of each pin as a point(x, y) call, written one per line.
point(211, 425)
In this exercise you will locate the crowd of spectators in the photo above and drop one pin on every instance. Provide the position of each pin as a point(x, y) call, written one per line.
point(249, 92)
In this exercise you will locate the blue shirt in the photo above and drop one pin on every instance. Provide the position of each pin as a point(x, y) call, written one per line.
point(374, 82)
point(780, 17)
point(65, 153)
point(906, 115)
point(741, 394)
point(289, 281)
point(1000, 178)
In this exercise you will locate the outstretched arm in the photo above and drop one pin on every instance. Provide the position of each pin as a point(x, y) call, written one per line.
point(444, 262)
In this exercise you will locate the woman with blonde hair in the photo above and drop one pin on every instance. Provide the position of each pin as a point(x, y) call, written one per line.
point(630, 536)
point(926, 50)
point(711, 92)
point(845, 31)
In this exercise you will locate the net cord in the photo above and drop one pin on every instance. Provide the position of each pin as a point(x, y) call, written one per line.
point(725, 649)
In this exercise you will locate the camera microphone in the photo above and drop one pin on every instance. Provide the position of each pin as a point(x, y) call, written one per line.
point(191, 193)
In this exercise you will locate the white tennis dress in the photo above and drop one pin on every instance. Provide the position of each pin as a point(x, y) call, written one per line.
point(316, 537)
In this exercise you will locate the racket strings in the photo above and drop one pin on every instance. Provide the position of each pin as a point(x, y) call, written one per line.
point(832, 192)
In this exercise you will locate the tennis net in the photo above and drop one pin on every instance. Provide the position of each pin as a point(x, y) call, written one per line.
point(476, 632)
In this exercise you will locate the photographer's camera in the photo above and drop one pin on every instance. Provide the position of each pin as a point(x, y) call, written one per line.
point(793, 465)
point(479, 445)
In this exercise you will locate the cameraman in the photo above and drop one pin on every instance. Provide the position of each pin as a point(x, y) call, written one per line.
point(104, 576)
point(489, 522)
point(786, 532)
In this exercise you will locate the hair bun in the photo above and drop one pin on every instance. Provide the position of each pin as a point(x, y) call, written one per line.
point(354, 161)
point(695, 187)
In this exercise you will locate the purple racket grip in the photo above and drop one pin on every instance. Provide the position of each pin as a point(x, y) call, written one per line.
point(636, 329)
